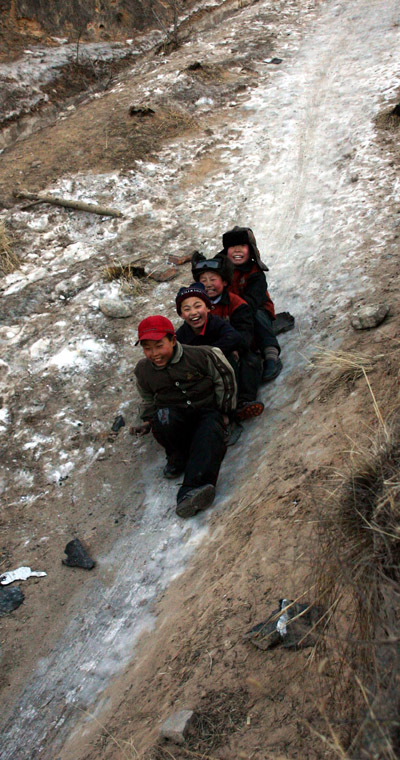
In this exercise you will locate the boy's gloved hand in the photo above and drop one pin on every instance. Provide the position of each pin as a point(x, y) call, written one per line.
point(140, 430)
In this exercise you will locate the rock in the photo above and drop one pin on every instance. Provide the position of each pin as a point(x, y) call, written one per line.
point(77, 556)
point(164, 273)
point(115, 308)
point(366, 317)
point(69, 288)
point(177, 726)
point(141, 111)
point(10, 599)
point(118, 423)
point(194, 66)
point(179, 258)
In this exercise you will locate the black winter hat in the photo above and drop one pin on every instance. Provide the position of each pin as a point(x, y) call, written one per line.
point(196, 289)
point(243, 236)
point(219, 264)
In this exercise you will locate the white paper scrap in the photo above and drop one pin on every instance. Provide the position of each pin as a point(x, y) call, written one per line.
point(20, 574)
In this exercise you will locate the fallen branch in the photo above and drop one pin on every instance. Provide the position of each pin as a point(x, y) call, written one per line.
point(56, 201)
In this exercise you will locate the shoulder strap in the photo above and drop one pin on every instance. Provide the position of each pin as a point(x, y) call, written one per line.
point(227, 374)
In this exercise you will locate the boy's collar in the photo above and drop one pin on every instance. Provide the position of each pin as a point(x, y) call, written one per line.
point(203, 329)
point(246, 266)
point(178, 351)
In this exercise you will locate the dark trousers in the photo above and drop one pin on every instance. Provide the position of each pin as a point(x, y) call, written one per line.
point(263, 330)
point(248, 372)
point(195, 437)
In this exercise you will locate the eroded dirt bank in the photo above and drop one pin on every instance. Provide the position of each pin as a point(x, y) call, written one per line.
point(294, 150)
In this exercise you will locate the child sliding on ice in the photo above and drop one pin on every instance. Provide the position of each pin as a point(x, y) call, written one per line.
point(215, 275)
point(249, 282)
point(187, 394)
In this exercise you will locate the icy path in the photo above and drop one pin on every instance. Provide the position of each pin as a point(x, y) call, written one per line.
point(296, 159)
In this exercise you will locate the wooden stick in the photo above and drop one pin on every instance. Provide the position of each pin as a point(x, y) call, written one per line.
point(78, 205)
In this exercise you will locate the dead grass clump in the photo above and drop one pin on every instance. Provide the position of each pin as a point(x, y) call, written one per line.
point(389, 119)
point(345, 369)
point(133, 279)
point(221, 714)
point(9, 260)
point(171, 120)
point(358, 580)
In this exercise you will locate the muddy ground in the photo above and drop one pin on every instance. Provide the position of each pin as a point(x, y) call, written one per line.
point(306, 151)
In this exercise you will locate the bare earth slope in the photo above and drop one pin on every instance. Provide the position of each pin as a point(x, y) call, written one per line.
point(293, 150)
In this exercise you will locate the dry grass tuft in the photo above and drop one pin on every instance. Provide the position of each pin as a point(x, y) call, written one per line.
point(389, 120)
point(133, 278)
point(9, 260)
point(345, 368)
point(222, 714)
point(358, 581)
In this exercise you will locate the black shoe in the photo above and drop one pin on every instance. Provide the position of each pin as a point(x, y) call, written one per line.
point(271, 370)
point(195, 501)
point(173, 469)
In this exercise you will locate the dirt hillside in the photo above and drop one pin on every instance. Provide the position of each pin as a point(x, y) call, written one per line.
point(185, 144)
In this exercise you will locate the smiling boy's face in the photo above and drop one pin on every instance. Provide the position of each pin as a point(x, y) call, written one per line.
point(238, 254)
point(194, 312)
point(213, 283)
point(159, 351)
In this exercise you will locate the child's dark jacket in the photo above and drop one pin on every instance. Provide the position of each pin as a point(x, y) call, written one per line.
point(196, 377)
point(249, 282)
point(218, 333)
point(237, 312)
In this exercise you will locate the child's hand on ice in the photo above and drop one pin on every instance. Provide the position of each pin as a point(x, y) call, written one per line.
point(140, 430)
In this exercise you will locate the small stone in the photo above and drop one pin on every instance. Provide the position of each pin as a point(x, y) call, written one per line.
point(162, 274)
point(69, 288)
point(179, 258)
point(177, 726)
point(118, 423)
point(115, 308)
point(10, 599)
point(141, 111)
point(77, 556)
point(366, 317)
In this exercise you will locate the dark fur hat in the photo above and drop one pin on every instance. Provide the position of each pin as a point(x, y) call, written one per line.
point(243, 236)
point(220, 264)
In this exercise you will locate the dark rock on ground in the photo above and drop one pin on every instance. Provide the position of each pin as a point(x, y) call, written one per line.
point(77, 556)
point(10, 599)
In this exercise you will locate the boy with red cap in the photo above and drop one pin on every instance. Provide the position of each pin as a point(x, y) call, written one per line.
point(186, 393)
point(249, 282)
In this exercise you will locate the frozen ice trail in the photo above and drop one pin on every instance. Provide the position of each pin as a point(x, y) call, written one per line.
point(315, 126)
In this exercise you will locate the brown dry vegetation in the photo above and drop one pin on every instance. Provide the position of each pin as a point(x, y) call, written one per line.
point(9, 260)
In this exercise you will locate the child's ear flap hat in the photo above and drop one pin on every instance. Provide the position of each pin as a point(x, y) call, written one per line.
point(195, 290)
point(220, 264)
point(243, 236)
